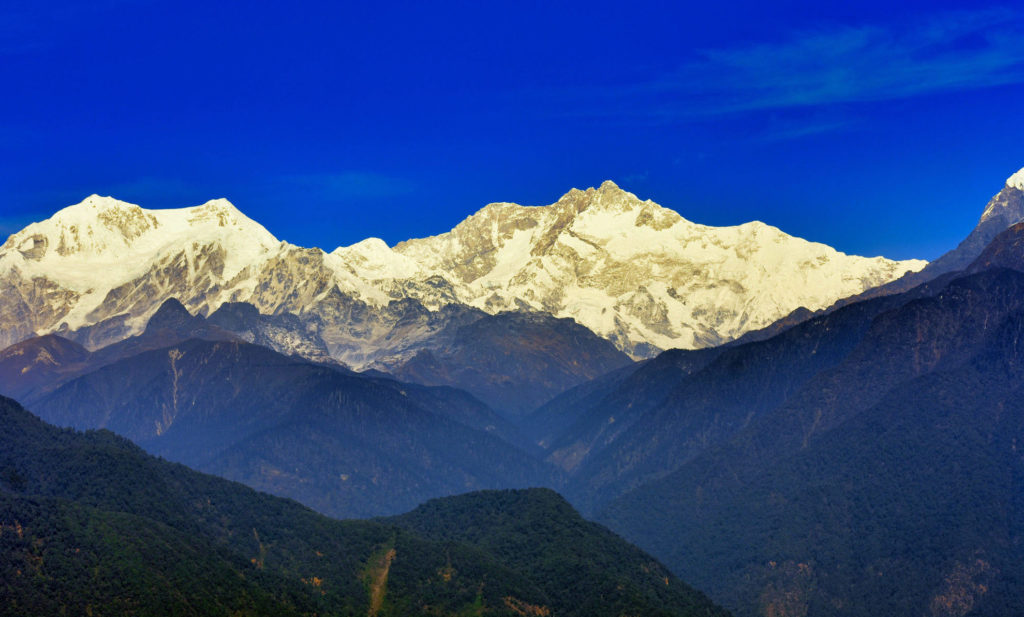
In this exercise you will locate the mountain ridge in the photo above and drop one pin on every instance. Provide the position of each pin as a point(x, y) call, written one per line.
point(343, 443)
point(62, 276)
point(89, 524)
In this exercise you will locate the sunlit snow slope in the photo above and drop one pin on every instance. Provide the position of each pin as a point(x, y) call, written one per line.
point(630, 270)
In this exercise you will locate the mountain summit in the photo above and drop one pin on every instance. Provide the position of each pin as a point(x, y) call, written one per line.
point(1016, 181)
point(1007, 206)
point(104, 227)
point(632, 271)
point(103, 258)
point(640, 274)
point(1005, 209)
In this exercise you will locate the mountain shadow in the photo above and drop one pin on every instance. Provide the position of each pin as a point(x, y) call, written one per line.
point(889, 481)
point(513, 361)
point(343, 443)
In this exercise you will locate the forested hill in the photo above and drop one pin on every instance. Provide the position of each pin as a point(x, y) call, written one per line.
point(90, 524)
point(583, 567)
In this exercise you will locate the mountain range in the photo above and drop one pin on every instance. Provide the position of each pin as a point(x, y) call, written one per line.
point(631, 271)
point(863, 461)
point(858, 456)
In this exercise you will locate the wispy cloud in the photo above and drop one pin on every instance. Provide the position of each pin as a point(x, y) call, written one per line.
point(351, 184)
point(953, 51)
point(801, 130)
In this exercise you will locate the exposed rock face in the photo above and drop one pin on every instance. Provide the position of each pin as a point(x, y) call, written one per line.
point(284, 332)
point(30, 304)
point(1004, 209)
point(633, 272)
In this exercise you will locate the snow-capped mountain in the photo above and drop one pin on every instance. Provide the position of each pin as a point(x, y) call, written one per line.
point(1005, 209)
point(103, 258)
point(632, 271)
point(640, 274)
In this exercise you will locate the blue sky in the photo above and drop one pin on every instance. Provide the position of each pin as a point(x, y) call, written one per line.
point(875, 129)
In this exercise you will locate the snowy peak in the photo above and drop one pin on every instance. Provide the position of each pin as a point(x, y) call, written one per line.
point(222, 214)
point(103, 258)
point(630, 270)
point(1006, 207)
point(97, 225)
point(93, 204)
point(501, 235)
point(104, 227)
point(640, 274)
point(607, 197)
point(1016, 181)
point(373, 259)
point(609, 211)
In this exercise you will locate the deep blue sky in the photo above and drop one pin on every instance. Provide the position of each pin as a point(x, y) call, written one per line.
point(875, 129)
